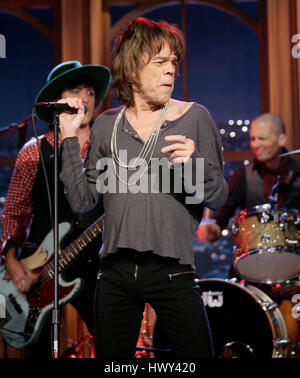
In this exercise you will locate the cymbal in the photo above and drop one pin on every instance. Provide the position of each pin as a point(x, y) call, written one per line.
point(290, 153)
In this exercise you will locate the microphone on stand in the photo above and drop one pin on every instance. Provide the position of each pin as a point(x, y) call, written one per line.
point(49, 112)
point(46, 110)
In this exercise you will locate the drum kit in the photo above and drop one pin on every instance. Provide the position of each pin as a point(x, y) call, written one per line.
point(256, 313)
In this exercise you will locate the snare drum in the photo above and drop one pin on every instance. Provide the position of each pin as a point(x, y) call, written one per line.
point(267, 243)
point(244, 321)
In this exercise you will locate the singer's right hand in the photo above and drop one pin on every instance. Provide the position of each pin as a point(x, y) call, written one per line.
point(70, 123)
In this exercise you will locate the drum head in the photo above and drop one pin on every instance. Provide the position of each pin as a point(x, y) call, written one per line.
point(268, 266)
point(239, 326)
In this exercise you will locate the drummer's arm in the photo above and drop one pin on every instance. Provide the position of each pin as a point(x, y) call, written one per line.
point(209, 232)
point(236, 197)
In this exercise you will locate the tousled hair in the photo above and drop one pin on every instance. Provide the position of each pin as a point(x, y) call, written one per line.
point(139, 38)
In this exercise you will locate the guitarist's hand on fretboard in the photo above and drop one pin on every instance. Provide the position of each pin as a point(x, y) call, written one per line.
point(22, 277)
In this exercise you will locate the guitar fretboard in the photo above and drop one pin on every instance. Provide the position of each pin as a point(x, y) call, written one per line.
point(68, 254)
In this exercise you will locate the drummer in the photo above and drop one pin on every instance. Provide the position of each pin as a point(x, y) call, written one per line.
point(252, 184)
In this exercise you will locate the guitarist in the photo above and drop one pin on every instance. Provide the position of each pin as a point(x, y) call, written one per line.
point(26, 204)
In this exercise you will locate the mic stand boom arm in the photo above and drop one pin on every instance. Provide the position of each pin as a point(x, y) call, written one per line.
point(15, 126)
point(21, 127)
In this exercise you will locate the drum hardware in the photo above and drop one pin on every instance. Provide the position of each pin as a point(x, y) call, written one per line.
point(233, 280)
point(266, 238)
point(264, 217)
point(292, 242)
point(282, 223)
point(265, 206)
point(236, 349)
point(268, 306)
point(242, 283)
point(273, 197)
point(279, 342)
point(283, 217)
point(236, 281)
point(295, 352)
point(236, 251)
point(234, 229)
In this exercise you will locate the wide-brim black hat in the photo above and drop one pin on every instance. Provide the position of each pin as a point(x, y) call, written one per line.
point(66, 73)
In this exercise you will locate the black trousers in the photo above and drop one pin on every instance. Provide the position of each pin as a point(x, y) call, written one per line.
point(127, 281)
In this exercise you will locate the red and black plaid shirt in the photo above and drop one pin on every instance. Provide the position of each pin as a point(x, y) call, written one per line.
point(17, 210)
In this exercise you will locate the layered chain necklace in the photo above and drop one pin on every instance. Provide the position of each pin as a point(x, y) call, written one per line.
point(146, 152)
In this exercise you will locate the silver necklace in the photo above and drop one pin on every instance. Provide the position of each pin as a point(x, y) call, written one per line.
point(146, 151)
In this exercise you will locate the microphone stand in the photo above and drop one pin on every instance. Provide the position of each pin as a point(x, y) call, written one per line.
point(56, 310)
point(15, 126)
point(21, 127)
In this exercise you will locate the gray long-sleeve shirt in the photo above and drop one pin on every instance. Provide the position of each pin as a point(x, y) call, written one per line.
point(163, 221)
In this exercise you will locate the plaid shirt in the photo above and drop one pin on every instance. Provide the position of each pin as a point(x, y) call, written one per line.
point(17, 210)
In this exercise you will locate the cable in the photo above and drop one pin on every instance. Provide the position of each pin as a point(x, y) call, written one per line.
point(44, 168)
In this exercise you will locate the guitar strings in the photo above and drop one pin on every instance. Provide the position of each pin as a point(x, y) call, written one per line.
point(95, 230)
point(45, 273)
point(45, 278)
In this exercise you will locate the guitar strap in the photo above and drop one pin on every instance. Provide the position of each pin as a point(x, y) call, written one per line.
point(41, 221)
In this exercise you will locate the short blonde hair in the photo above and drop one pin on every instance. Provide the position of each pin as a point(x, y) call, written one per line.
point(140, 37)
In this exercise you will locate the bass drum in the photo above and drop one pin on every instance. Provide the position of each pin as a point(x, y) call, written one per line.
point(244, 321)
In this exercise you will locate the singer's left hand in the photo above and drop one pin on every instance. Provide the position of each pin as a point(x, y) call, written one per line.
point(70, 123)
point(180, 151)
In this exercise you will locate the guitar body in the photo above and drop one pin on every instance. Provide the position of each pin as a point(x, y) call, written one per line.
point(25, 316)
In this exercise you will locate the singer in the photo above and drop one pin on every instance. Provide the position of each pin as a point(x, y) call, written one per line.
point(147, 253)
point(26, 203)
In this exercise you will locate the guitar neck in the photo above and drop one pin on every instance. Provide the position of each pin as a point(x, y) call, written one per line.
point(68, 254)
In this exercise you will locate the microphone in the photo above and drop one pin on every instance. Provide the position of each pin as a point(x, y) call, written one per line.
point(46, 110)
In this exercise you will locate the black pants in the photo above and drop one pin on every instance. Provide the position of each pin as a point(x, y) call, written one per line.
point(127, 281)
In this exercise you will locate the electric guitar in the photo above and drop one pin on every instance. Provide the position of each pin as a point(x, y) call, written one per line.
point(24, 316)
